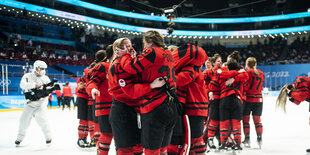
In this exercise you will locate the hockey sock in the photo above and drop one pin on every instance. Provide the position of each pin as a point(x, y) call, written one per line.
point(138, 149)
point(125, 151)
point(246, 124)
point(258, 125)
point(199, 146)
point(83, 129)
point(224, 130)
point(91, 129)
point(236, 128)
point(173, 149)
point(96, 133)
point(163, 150)
point(151, 152)
point(213, 124)
point(104, 143)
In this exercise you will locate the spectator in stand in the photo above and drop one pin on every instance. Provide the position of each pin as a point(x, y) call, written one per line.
point(38, 46)
point(75, 57)
point(59, 56)
point(10, 37)
point(29, 43)
point(84, 57)
point(52, 56)
point(82, 39)
point(44, 54)
point(3, 53)
point(12, 56)
point(68, 57)
point(25, 56)
point(18, 37)
point(34, 52)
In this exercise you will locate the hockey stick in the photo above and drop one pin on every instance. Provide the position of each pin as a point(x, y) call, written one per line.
point(187, 133)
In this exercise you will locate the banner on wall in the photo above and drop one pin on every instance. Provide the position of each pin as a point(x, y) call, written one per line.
point(12, 101)
point(18, 101)
point(277, 76)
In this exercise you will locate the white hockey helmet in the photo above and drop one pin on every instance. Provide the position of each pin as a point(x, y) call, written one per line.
point(39, 64)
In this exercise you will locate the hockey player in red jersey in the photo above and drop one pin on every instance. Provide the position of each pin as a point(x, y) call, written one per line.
point(98, 88)
point(254, 102)
point(297, 92)
point(67, 93)
point(192, 91)
point(82, 99)
point(58, 95)
point(157, 107)
point(231, 85)
point(93, 126)
point(214, 99)
point(125, 111)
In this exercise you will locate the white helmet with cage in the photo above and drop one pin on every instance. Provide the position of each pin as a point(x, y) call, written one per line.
point(39, 67)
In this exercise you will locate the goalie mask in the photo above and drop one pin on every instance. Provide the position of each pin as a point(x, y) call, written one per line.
point(39, 67)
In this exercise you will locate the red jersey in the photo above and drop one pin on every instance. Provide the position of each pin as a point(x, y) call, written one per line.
point(153, 63)
point(58, 93)
point(214, 86)
point(81, 92)
point(254, 86)
point(87, 79)
point(237, 87)
point(98, 80)
point(67, 91)
point(207, 74)
point(302, 92)
point(191, 88)
point(196, 97)
point(124, 87)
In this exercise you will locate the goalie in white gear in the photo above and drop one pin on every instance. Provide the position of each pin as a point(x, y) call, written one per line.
point(36, 109)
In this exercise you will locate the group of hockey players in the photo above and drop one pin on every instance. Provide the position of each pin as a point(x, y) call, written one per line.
point(160, 102)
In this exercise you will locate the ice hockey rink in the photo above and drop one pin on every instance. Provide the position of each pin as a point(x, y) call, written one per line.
point(284, 134)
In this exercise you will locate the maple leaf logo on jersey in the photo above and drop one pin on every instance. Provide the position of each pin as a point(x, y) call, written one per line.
point(122, 82)
point(219, 71)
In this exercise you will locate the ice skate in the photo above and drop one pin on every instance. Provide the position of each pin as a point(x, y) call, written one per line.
point(308, 151)
point(246, 141)
point(259, 141)
point(223, 146)
point(92, 144)
point(211, 143)
point(48, 141)
point(17, 142)
point(82, 142)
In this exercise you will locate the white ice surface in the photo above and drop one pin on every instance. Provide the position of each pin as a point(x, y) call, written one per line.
point(284, 134)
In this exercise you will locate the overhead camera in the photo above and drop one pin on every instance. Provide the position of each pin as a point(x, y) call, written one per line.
point(170, 30)
point(169, 13)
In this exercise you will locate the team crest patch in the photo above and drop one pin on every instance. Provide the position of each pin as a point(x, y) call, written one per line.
point(122, 82)
point(219, 71)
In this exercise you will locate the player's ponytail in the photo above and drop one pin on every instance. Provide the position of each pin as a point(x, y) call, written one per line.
point(156, 38)
point(251, 63)
point(281, 100)
point(100, 56)
point(235, 55)
point(110, 53)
